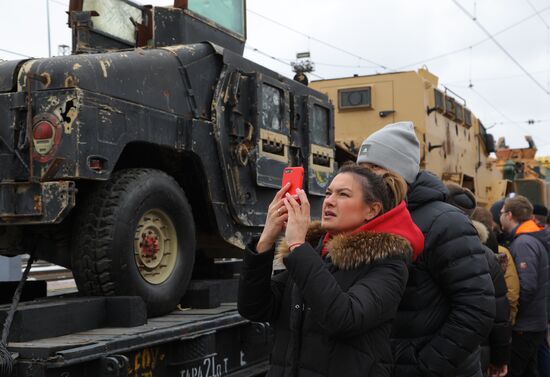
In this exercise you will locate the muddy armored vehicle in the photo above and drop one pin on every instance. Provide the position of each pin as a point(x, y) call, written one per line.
point(153, 140)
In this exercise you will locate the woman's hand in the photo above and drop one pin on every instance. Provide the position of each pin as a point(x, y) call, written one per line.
point(275, 221)
point(298, 218)
point(497, 371)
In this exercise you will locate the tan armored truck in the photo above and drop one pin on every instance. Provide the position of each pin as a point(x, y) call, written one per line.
point(454, 143)
point(526, 173)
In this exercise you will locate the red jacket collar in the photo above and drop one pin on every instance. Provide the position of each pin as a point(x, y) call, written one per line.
point(397, 221)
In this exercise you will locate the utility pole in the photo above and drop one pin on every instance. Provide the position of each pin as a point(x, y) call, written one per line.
point(48, 20)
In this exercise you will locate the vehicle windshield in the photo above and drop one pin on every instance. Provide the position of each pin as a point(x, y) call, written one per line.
point(115, 18)
point(226, 13)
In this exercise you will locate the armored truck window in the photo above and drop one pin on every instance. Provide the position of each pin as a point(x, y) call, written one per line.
point(439, 101)
point(354, 98)
point(272, 108)
point(115, 18)
point(226, 13)
point(486, 138)
point(449, 107)
point(320, 129)
point(459, 113)
point(467, 118)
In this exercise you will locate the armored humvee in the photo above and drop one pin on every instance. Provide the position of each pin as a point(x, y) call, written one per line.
point(154, 139)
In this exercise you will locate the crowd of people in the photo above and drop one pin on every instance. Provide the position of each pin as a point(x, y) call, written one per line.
point(403, 276)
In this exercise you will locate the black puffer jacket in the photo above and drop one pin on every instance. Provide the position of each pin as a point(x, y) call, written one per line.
point(331, 316)
point(495, 349)
point(449, 304)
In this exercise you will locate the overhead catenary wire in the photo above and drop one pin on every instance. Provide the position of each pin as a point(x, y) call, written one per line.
point(384, 67)
point(529, 121)
point(504, 116)
point(497, 78)
point(14, 53)
point(345, 65)
point(288, 60)
point(470, 69)
point(501, 47)
point(547, 40)
point(280, 60)
point(459, 50)
point(483, 98)
point(538, 13)
point(436, 57)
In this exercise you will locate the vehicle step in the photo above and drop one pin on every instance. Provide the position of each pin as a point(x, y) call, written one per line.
point(69, 315)
point(210, 293)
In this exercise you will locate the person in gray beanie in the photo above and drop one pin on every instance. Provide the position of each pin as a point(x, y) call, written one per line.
point(449, 303)
point(394, 147)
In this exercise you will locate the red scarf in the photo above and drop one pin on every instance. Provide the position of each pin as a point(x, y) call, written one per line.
point(396, 221)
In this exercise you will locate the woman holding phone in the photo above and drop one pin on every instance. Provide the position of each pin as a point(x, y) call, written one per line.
point(333, 306)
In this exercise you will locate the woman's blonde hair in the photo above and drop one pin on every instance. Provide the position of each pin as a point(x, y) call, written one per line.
point(397, 187)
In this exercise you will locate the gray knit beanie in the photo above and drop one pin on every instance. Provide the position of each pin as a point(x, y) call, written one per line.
point(394, 147)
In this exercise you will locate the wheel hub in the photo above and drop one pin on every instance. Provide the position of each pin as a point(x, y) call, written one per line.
point(149, 246)
point(155, 246)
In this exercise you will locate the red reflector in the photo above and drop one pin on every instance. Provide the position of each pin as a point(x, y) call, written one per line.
point(95, 164)
point(42, 131)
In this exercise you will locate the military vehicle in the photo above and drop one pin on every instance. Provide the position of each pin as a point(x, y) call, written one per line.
point(524, 171)
point(454, 143)
point(544, 163)
point(154, 139)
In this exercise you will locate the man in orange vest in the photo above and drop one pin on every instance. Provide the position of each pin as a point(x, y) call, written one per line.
point(530, 256)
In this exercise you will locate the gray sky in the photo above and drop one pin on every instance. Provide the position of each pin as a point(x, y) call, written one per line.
point(395, 34)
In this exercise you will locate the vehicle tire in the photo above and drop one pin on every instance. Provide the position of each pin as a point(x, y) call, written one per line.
point(135, 235)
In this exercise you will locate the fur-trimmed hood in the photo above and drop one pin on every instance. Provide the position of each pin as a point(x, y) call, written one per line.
point(349, 251)
point(482, 231)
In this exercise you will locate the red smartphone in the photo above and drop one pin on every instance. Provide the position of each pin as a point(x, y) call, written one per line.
point(294, 175)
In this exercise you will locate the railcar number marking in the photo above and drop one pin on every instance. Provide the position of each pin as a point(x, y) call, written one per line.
point(210, 367)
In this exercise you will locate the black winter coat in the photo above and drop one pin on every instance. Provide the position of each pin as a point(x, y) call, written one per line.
point(495, 349)
point(332, 316)
point(449, 304)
